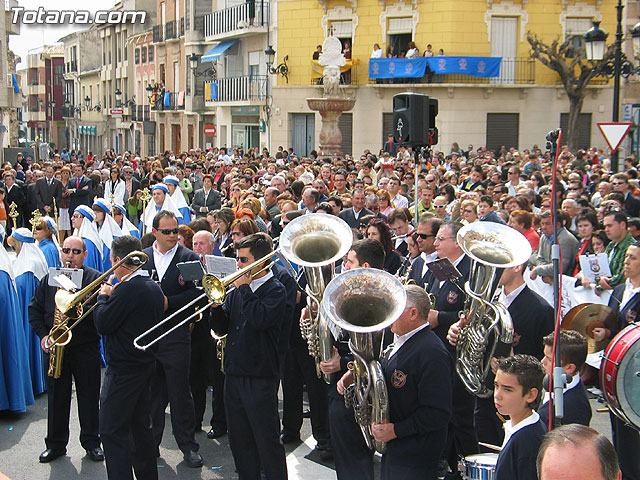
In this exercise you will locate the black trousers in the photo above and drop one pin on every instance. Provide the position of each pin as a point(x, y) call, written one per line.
point(627, 443)
point(353, 460)
point(461, 439)
point(218, 413)
point(488, 425)
point(170, 384)
point(201, 345)
point(81, 363)
point(299, 369)
point(125, 424)
point(252, 418)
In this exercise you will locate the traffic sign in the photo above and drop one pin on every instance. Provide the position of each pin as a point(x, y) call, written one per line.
point(614, 133)
point(116, 112)
point(209, 130)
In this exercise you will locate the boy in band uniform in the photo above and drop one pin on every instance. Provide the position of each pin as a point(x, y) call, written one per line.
point(518, 385)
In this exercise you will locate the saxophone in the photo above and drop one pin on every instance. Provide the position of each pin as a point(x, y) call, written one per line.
point(56, 353)
point(488, 331)
point(365, 302)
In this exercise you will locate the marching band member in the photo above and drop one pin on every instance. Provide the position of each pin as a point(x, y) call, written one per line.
point(15, 383)
point(417, 369)
point(45, 234)
point(29, 268)
point(125, 404)
point(170, 383)
point(177, 197)
point(161, 201)
point(84, 227)
point(252, 316)
point(80, 363)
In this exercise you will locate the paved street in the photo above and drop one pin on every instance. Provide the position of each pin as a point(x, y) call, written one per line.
point(22, 440)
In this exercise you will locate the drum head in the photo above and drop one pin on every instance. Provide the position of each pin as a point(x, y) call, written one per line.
point(585, 317)
point(628, 384)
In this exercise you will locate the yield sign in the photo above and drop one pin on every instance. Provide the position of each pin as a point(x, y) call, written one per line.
point(614, 133)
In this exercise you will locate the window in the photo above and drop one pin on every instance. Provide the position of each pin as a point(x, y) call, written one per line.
point(150, 53)
point(136, 56)
point(502, 129)
point(575, 28)
point(144, 54)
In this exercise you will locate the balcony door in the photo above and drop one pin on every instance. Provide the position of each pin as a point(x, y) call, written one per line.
point(504, 43)
point(303, 133)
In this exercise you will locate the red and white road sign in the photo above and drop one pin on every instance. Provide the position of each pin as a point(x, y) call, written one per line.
point(614, 133)
point(209, 130)
point(116, 111)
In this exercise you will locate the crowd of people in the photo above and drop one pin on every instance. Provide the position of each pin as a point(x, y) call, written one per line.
point(185, 207)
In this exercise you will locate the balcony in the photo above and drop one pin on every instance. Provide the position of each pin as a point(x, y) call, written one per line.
point(236, 20)
point(236, 89)
point(175, 102)
point(172, 30)
point(513, 71)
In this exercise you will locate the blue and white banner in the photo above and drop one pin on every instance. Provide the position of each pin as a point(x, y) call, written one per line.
point(416, 67)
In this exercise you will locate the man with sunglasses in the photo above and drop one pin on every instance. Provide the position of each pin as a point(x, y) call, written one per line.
point(80, 363)
point(252, 316)
point(170, 384)
point(425, 236)
point(620, 183)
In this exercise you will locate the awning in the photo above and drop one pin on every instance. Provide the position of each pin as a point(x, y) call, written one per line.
point(124, 125)
point(215, 53)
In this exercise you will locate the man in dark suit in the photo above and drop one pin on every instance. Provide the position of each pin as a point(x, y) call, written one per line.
point(390, 146)
point(620, 183)
point(80, 188)
point(171, 379)
point(47, 189)
point(80, 363)
point(352, 215)
point(449, 302)
point(15, 194)
point(206, 199)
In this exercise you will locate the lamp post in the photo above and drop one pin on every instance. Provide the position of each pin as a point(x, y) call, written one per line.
point(269, 55)
point(595, 46)
point(118, 95)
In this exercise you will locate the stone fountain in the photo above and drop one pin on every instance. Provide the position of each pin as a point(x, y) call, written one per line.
point(334, 102)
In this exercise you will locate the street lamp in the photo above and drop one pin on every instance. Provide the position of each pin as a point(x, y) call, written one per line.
point(281, 69)
point(209, 72)
point(595, 45)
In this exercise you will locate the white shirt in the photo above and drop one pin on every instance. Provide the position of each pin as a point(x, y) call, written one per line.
point(509, 429)
point(575, 380)
point(428, 258)
point(628, 294)
point(377, 53)
point(256, 284)
point(400, 340)
point(507, 300)
point(400, 201)
point(162, 260)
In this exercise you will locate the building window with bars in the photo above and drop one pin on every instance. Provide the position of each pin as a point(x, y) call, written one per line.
point(136, 56)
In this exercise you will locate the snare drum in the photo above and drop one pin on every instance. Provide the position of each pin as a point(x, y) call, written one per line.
point(480, 467)
point(620, 375)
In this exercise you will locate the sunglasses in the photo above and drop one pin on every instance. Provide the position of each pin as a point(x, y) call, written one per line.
point(423, 236)
point(76, 215)
point(617, 183)
point(39, 227)
point(243, 259)
point(75, 251)
point(169, 231)
point(439, 206)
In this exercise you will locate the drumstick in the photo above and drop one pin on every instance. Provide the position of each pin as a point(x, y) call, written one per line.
point(502, 419)
point(491, 447)
point(602, 410)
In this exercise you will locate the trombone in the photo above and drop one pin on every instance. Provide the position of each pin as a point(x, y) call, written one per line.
point(72, 306)
point(214, 289)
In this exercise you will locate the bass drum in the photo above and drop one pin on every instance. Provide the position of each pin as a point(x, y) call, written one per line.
point(620, 375)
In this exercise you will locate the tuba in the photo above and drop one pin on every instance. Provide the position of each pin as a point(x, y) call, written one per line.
point(489, 328)
point(364, 302)
point(315, 242)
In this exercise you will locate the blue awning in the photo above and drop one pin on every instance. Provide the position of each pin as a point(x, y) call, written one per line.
point(214, 54)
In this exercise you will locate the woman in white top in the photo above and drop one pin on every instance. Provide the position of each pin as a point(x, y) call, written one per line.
point(377, 51)
point(115, 186)
point(412, 51)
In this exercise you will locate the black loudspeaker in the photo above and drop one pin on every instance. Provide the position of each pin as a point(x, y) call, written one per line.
point(414, 116)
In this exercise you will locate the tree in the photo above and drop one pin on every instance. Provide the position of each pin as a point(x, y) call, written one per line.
point(574, 72)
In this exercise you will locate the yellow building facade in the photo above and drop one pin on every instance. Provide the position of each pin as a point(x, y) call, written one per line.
point(516, 109)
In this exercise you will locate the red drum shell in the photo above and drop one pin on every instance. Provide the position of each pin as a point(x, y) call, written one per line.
point(615, 362)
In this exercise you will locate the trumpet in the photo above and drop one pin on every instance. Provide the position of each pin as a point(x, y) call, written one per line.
point(72, 306)
point(214, 289)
